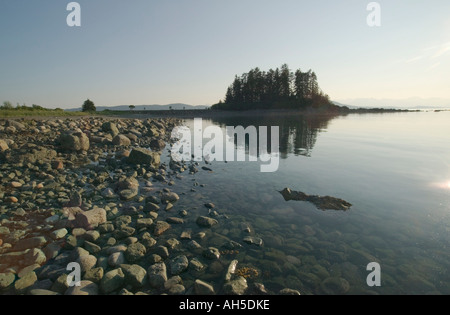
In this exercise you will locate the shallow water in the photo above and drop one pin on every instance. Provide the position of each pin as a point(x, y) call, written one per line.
point(393, 168)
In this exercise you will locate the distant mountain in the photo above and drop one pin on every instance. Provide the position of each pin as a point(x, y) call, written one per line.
point(176, 106)
point(411, 103)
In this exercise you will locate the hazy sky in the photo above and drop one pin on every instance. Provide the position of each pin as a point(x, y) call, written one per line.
point(161, 52)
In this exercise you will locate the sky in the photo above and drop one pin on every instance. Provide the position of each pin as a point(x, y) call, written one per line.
point(189, 51)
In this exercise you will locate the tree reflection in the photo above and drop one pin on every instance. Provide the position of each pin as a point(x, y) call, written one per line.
point(298, 133)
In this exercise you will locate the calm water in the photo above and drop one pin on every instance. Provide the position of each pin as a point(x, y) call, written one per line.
point(393, 168)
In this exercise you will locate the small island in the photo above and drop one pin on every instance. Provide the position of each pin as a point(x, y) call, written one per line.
point(283, 89)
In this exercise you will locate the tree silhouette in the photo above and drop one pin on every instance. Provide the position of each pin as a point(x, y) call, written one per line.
point(132, 107)
point(279, 88)
point(88, 106)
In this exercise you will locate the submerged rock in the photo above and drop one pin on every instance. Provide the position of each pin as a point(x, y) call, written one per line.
point(322, 203)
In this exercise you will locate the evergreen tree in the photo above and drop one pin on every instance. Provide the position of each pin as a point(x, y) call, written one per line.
point(88, 106)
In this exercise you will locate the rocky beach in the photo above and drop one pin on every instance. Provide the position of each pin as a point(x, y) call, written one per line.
point(103, 193)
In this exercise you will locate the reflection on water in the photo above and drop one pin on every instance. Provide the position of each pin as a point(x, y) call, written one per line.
point(298, 134)
point(382, 164)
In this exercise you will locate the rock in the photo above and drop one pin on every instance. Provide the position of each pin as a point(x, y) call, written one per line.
point(160, 227)
point(3, 146)
point(123, 232)
point(11, 199)
point(210, 205)
point(157, 275)
point(135, 275)
point(112, 281)
point(76, 141)
point(157, 144)
point(90, 220)
point(87, 262)
point(135, 252)
point(186, 235)
point(57, 165)
point(34, 256)
point(24, 283)
point(108, 193)
point(179, 264)
point(128, 194)
point(252, 240)
point(92, 248)
point(203, 288)
point(116, 259)
point(144, 223)
point(323, 203)
point(33, 242)
point(94, 274)
point(17, 125)
point(236, 287)
point(169, 197)
point(111, 128)
point(151, 207)
point(211, 253)
point(144, 157)
point(42, 292)
point(86, 288)
point(206, 221)
point(231, 270)
point(121, 140)
point(288, 291)
point(6, 279)
point(58, 234)
point(175, 220)
point(335, 286)
point(196, 265)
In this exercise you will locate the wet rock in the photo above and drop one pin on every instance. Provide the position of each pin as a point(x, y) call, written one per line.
point(335, 286)
point(236, 287)
point(151, 207)
point(144, 223)
point(169, 197)
point(34, 256)
point(231, 270)
point(112, 281)
point(42, 292)
point(252, 240)
point(203, 288)
point(160, 227)
point(157, 144)
point(323, 203)
point(288, 291)
point(175, 220)
point(157, 275)
point(179, 264)
point(144, 157)
point(206, 221)
point(211, 253)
